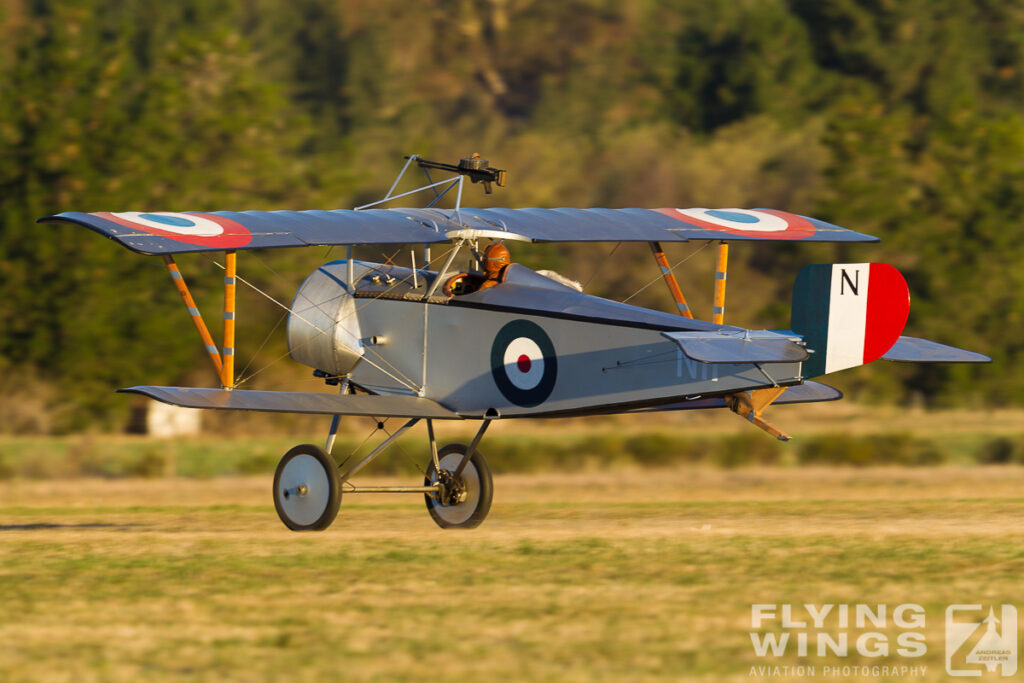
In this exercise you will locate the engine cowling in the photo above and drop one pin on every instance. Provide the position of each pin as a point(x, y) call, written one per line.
point(323, 325)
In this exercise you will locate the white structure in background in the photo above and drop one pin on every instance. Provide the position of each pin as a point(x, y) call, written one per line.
point(165, 420)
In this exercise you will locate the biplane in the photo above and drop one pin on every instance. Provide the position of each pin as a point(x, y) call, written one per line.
point(424, 345)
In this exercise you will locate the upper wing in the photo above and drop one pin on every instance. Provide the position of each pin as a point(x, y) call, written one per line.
point(162, 232)
point(297, 402)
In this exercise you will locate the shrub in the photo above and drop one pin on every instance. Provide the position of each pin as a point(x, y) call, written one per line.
point(1001, 450)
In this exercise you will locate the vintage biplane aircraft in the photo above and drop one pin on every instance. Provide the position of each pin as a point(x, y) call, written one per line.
point(422, 344)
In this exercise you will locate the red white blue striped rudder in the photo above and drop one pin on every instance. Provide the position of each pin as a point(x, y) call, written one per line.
point(849, 314)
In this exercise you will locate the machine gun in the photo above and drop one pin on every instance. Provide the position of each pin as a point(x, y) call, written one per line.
point(474, 167)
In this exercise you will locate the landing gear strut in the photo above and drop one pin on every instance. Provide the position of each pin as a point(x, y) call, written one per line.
point(458, 487)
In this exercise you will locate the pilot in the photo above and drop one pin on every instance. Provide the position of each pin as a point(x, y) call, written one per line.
point(496, 262)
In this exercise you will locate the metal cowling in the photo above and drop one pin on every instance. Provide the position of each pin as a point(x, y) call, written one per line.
point(323, 325)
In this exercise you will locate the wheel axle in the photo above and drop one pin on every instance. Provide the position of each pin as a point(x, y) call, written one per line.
point(392, 489)
point(299, 490)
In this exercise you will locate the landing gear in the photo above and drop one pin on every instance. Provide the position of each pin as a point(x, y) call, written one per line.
point(462, 499)
point(458, 488)
point(307, 489)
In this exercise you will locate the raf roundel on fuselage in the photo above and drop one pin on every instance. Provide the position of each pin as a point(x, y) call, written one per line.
point(163, 232)
point(524, 363)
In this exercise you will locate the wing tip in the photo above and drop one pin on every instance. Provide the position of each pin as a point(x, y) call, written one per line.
point(54, 218)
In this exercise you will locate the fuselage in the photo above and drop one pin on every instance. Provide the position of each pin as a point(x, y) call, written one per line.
point(528, 347)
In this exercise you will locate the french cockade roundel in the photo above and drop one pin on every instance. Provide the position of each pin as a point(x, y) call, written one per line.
point(203, 229)
point(762, 223)
point(523, 363)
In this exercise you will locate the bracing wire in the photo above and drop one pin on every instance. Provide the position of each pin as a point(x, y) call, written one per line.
point(378, 425)
point(243, 378)
point(671, 269)
point(266, 339)
point(406, 381)
point(600, 265)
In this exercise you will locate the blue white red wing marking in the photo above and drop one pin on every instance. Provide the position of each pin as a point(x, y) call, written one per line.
point(202, 229)
point(523, 363)
point(762, 223)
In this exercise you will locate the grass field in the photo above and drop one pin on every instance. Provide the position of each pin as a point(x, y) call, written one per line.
point(627, 574)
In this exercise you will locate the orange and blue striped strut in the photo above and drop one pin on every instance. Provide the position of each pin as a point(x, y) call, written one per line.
point(224, 365)
point(670, 280)
point(721, 271)
point(228, 372)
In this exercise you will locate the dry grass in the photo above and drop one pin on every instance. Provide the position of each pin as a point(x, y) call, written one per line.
point(639, 575)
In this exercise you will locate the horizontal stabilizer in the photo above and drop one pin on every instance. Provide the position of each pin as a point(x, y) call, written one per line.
point(808, 392)
point(297, 402)
point(169, 232)
point(915, 350)
point(739, 346)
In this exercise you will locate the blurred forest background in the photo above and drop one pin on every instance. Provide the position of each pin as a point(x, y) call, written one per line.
point(899, 118)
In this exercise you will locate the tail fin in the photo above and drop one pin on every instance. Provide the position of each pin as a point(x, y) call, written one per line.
point(849, 314)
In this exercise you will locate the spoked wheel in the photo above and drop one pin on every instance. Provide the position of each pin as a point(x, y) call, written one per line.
point(463, 501)
point(307, 489)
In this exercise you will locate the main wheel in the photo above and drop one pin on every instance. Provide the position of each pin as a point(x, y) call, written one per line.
point(464, 501)
point(307, 489)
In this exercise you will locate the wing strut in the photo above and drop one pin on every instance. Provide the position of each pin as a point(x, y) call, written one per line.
point(230, 263)
point(223, 362)
point(670, 280)
point(721, 272)
point(193, 310)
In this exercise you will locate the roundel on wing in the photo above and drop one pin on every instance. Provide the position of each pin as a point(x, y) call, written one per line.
point(760, 223)
point(523, 363)
point(202, 229)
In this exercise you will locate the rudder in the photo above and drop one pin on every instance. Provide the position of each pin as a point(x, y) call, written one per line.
point(849, 314)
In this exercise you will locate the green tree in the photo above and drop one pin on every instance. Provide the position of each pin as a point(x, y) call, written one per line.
point(122, 106)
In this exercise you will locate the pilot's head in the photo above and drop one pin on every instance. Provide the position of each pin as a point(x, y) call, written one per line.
point(496, 257)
